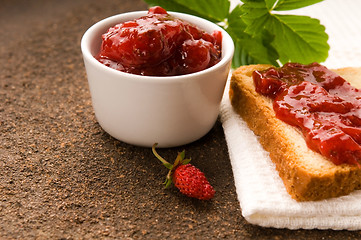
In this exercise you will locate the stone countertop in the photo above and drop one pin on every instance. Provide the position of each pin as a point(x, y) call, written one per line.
point(63, 177)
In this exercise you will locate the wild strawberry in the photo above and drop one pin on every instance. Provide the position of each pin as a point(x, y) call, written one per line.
point(187, 178)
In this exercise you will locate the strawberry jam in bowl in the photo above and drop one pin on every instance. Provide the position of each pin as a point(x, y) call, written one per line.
point(159, 44)
point(156, 76)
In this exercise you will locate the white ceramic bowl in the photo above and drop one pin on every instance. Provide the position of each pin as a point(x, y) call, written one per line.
point(143, 110)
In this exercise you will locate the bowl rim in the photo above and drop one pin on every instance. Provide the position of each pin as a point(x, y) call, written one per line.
point(106, 23)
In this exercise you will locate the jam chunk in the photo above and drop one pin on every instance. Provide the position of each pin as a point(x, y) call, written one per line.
point(323, 105)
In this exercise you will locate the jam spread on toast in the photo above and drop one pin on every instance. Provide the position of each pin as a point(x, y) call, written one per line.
point(159, 44)
point(323, 105)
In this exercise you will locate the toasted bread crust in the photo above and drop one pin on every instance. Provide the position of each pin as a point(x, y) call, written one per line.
point(306, 174)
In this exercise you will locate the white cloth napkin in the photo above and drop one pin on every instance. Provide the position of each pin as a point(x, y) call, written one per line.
point(261, 193)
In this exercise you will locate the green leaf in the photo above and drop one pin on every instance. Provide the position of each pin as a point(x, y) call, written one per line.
point(242, 55)
point(234, 17)
point(235, 21)
point(267, 39)
point(186, 161)
point(254, 2)
point(299, 38)
point(182, 155)
point(285, 5)
point(252, 50)
point(296, 38)
point(218, 9)
point(260, 35)
point(255, 19)
point(171, 5)
point(213, 10)
point(270, 4)
point(249, 49)
point(168, 181)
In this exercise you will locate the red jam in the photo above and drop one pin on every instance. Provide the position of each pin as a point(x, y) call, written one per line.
point(159, 44)
point(322, 104)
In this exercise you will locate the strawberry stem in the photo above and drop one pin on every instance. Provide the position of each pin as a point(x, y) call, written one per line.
point(165, 163)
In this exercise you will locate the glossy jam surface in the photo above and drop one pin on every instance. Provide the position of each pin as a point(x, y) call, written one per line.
point(159, 44)
point(322, 104)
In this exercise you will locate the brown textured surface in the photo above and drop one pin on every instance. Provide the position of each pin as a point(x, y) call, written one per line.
point(63, 177)
point(307, 175)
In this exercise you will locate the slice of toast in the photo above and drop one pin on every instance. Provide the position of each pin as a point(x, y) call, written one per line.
point(307, 175)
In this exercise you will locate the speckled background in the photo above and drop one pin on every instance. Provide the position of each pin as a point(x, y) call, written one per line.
point(63, 177)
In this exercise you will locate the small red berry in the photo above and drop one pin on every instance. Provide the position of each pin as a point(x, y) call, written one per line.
point(191, 182)
point(187, 178)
